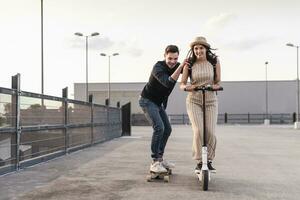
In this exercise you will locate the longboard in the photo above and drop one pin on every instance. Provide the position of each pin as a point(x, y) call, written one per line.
point(159, 176)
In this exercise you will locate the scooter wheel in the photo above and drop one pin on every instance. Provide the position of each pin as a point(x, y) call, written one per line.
point(205, 179)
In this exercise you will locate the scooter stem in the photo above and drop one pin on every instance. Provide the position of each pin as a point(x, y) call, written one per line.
point(204, 158)
point(204, 147)
point(204, 119)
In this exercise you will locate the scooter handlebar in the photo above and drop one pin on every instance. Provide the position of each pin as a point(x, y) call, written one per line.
point(208, 88)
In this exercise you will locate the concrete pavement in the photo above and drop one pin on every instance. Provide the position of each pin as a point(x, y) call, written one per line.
point(253, 162)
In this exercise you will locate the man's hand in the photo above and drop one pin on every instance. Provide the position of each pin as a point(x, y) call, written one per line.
point(184, 64)
point(190, 88)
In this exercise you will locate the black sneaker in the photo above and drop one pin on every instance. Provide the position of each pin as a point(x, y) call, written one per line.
point(198, 167)
point(210, 167)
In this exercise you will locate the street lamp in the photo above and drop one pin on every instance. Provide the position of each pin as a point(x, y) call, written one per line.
point(267, 120)
point(42, 49)
point(297, 124)
point(114, 54)
point(86, 60)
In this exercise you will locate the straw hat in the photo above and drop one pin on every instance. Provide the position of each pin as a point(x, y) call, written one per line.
point(199, 40)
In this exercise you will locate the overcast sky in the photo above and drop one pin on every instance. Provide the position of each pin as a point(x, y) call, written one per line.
point(246, 33)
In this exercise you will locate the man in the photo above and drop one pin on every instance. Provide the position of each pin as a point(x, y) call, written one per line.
point(153, 102)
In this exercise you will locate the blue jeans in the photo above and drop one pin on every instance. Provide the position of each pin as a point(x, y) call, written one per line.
point(158, 118)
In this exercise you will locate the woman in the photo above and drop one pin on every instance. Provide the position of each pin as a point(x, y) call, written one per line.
point(203, 69)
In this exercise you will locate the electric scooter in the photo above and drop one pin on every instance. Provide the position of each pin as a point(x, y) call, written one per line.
point(204, 174)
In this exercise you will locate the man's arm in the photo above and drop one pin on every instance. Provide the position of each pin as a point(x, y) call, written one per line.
point(168, 81)
point(177, 72)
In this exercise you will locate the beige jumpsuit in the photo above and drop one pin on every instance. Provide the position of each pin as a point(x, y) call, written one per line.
point(202, 74)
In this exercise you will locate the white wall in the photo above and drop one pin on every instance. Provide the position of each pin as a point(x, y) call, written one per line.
point(237, 97)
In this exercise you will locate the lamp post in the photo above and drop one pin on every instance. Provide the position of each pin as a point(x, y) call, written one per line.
point(42, 49)
point(114, 54)
point(267, 120)
point(297, 124)
point(86, 60)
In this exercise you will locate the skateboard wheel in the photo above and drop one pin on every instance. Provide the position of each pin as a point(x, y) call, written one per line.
point(166, 179)
point(148, 178)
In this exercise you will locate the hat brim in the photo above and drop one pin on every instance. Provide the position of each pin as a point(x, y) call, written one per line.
point(199, 42)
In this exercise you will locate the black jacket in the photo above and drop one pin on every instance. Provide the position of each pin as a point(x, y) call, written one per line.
point(160, 84)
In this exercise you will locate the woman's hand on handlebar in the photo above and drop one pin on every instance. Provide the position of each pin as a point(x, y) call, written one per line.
point(216, 86)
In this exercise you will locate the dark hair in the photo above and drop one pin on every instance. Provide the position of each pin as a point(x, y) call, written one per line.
point(210, 56)
point(171, 49)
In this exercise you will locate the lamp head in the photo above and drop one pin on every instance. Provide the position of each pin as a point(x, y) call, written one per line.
point(290, 45)
point(78, 34)
point(95, 34)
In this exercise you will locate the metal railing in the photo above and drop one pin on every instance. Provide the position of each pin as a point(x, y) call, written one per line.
point(248, 118)
point(35, 128)
point(283, 118)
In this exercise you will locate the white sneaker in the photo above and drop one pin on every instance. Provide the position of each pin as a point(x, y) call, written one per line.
point(167, 164)
point(157, 167)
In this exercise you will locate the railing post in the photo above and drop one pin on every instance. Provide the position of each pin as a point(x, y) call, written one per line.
point(248, 118)
point(65, 110)
point(92, 118)
point(126, 119)
point(120, 115)
point(107, 117)
point(16, 107)
point(225, 118)
point(120, 119)
point(294, 117)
